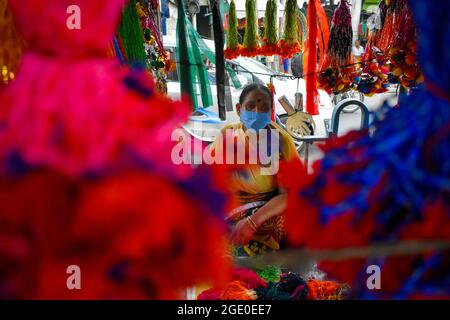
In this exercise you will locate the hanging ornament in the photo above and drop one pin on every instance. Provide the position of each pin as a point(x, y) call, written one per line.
point(402, 51)
point(232, 50)
point(270, 40)
point(374, 77)
point(390, 185)
point(251, 43)
point(390, 56)
point(338, 72)
point(289, 44)
point(11, 45)
point(340, 42)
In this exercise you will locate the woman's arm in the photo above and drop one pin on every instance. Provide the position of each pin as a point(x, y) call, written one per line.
point(244, 232)
point(275, 207)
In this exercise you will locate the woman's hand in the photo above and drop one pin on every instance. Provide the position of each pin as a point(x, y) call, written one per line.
point(242, 233)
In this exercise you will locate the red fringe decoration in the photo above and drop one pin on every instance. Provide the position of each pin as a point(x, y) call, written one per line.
point(311, 59)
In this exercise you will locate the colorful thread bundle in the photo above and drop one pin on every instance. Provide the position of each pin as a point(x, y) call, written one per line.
point(285, 47)
point(289, 44)
point(391, 51)
point(11, 45)
point(338, 71)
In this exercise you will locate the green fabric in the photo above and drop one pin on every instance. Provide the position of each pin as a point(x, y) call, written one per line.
point(130, 32)
point(185, 57)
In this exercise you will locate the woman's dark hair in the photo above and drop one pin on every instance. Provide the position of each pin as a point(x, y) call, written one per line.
point(255, 86)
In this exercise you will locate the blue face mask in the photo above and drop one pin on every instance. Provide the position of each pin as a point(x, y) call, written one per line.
point(255, 120)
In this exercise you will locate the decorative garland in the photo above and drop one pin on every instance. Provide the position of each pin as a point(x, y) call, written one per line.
point(374, 77)
point(270, 45)
point(310, 57)
point(270, 41)
point(159, 61)
point(391, 184)
point(390, 56)
point(132, 36)
point(251, 42)
point(233, 48)
point(74, 183)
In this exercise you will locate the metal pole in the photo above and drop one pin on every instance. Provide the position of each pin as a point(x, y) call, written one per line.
point(220, 58)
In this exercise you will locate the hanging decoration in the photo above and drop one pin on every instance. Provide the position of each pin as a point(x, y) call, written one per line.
point(390, 56)
point(310, 59)
point(251, 38)
point(389, 185)
point(233, 48)
point(11, 45)
point(337, 70)
point(289, 44)
point(302, 27)
point(270, 41)
point(340, 43)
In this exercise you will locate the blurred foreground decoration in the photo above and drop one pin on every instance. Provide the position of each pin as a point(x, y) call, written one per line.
point(338, 70)
point(86, 176)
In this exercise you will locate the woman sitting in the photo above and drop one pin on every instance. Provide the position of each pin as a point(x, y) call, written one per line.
point(257, 222)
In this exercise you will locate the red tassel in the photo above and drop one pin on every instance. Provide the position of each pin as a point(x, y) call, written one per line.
point(311, 59)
